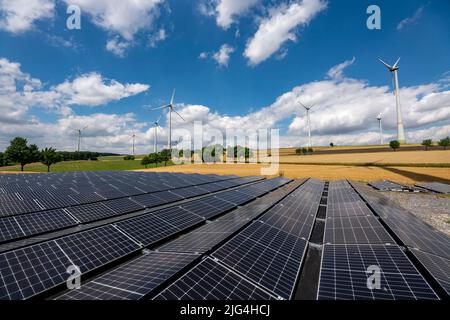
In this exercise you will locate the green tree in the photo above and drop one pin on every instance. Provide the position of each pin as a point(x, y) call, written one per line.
point(3, 160)
point(298, 151)
point(165, 156)
point(394, 144)
point(444, 142)
point(427, 143)
point(19, 152)
point(154, 158)
point(49, 156)
point(145, 161)
point(331, 144)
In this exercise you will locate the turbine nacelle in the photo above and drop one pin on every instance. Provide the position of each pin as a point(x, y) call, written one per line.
point(389, 67)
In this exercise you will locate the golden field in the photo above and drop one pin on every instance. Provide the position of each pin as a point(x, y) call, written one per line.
point(405, 157)
point(325, 172)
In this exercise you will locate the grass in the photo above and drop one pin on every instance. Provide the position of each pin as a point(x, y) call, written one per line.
point(110, 164)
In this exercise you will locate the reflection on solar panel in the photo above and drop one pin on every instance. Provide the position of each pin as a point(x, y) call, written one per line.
point(355, 230)
point(90, 212)
point(204, 238)
point(438, 267)
point(93, 248)
point(387, 185)
point(212, 281)
point(40, 222)
point(345, 274)
point(133, 280)
point(436, 187)
point(297, 212)
point(32, 270)
point(266, 255)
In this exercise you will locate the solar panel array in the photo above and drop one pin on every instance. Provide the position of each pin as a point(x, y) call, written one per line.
point(16, 226)
point(26, 272)
point(435, 186)
point(386, 185)
point(356, 241)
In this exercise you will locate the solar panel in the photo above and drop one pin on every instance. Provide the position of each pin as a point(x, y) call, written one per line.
point(10, 229)
point(356, 230)
point(207, 207)
point(122, 205)
point(438, 267)
point(235, 197)
point(212, 281)
point(17, 207)
point(266, 255)
point(90, 212)
point(96, 247)
point(386, 185)
point(32, 270)
point(133, 280)
point(345, 275)
point(40, 222)
point(189, 192)
point(204, 238)
point(435, 186)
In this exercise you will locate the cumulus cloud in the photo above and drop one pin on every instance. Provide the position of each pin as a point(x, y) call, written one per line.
point(337, 72)
point(226, 11)
point(158, 36)
point(20, 15)
point(222, 57)
point(117, 47)
point(410, 20)
point(279, 27)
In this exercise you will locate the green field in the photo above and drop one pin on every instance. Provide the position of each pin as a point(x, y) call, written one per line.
point(103, 164)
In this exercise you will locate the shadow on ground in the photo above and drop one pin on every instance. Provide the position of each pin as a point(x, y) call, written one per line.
point(416, 176)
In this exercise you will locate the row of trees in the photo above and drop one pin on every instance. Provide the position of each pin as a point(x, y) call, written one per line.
point(304, 151)
point(19, 151)
point(445, 143)
point(155, 158)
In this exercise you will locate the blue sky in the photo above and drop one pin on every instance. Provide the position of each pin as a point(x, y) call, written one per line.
point(229, 64)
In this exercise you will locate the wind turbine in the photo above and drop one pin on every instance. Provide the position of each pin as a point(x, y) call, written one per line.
point(156, 123)
point(307, 108)
point(400, 129)
point(79, 136)
point(379, 117)
point(133, 136)
point(171, 109)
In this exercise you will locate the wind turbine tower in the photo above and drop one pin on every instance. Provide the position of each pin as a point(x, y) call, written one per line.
point(379, 117)
point(133, 136)
point(400, 129)
point(79, 136)
point(171, 109)
point(308, 121)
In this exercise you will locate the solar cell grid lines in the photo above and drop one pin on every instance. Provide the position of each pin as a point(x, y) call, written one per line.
point(204, 238)
point(134, 279)
point(344, 274)
point(94, 248)
point(438, 267)
point(356, 230)
point(269, 257)
point(211, 281)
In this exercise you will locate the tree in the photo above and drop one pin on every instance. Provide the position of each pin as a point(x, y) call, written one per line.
point(427, 143)
point(128, 157)
point(331, 144)
point(298, 151)
point(154, 158)
point(394, 144)
point(3, 160)
point(19, 152)
point(146, 161)
point(165, 155)
point(49, 156)
point(444, 143)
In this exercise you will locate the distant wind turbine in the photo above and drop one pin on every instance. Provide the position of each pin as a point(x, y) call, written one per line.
point(307, 108)
point(400, 129)
point(171, 109)
point(79, 136)
point(156, 123)
point(133, 136)
point(379, 117)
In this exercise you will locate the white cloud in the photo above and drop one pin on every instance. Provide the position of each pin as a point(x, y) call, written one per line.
point(203, 55)
point(337, 72)
point(93, 90)
point(279, 28)
point(125, 17)
point(411, 20)
point(158, 36)
point(18, 16)
point(228, 10)
point(222, 57)
point(117, 47)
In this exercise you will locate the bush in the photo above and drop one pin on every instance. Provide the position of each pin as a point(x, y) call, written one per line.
point(127, 158)
point(146, 161)
point(394, 144)
point(427, 143)
point(310, 150)
point(298, 151)
point(3, 160)
point(444, 143)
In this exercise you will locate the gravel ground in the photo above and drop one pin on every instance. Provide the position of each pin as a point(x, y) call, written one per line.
point(433, 209)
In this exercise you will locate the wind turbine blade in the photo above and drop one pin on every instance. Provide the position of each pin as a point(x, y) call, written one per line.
point(396, 63)
point(178, 114)
point(312, 106)
point(157, 121)
point(386, 65)
point(303, 105)
point(167, 105)
point(84, 127)
point(173, 96)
